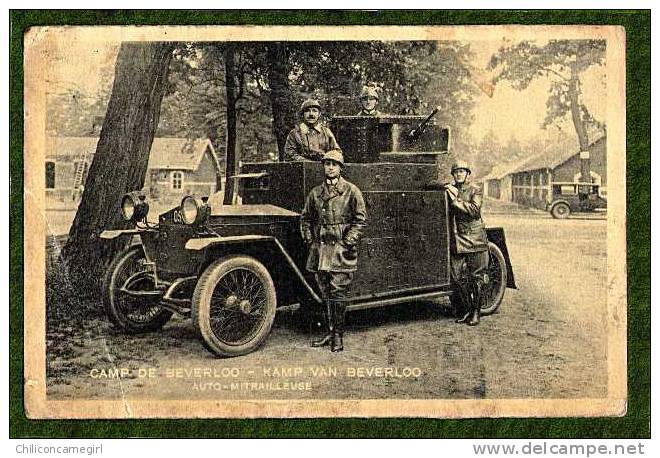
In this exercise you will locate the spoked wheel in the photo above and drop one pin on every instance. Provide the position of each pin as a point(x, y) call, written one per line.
point(132, 313)
point(234, 305)
point(560, 211)
point(497, 279)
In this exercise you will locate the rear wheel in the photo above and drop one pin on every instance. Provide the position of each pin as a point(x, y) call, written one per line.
point(497, 278)
point(560, 211)
point(493, 290)
point(130, 313)
point(233, 306)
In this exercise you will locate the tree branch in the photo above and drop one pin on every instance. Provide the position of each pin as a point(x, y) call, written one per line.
point(553, 71)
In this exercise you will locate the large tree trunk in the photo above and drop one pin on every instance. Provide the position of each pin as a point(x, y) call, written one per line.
point(281, 97)
point(121, 158)
point(215, 127)
point(230, 84)
point(580, 129)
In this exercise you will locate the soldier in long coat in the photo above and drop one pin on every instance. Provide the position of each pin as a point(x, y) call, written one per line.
point(469, 260)
point(309, 140)
point(332, 223)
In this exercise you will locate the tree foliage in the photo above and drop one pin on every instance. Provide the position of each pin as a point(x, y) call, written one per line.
point(563, 62)
point(273, 78)
point(72, 112)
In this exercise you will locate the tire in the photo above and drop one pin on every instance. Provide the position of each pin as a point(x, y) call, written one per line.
point(130, 314)
point(497, 279)
point(560, 210)
point(246, 295)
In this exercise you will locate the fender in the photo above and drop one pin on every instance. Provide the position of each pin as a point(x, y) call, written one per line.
point(496, 236)
point(558, 201)
point(113, 234)
point(204, 243)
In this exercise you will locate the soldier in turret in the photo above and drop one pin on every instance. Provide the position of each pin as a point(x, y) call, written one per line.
point(332, 223)
point(369, 102)
point(309, 140)
point(469, 260)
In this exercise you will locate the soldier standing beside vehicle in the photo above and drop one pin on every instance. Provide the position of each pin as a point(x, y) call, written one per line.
point(309, 140)
point(331, 224)
point(469, 260)
point(369, 101)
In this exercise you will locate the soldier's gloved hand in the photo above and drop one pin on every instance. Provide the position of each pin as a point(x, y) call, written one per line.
point(451, 190)
point(351, 249)
point(349, 242)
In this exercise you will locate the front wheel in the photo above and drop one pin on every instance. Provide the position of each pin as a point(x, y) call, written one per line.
point(497, 279)
point(560, 211)
point(233, 306)
point(132, 313)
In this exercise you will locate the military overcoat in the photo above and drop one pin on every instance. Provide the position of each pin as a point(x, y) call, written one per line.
point(333, 220)
point(309, 143)
point(469, 228)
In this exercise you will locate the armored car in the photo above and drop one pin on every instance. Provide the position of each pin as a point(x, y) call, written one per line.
point(229, 267)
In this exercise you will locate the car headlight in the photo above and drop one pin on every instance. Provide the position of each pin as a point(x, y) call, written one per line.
point(134, 206)
point(194, 210)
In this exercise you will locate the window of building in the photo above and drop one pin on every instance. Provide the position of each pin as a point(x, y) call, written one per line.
point(50, 175)
point(177, 180)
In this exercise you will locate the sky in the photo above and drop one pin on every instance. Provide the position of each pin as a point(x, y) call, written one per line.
point(508, 113)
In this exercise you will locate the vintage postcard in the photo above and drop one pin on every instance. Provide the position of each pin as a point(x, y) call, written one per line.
point(321, 221)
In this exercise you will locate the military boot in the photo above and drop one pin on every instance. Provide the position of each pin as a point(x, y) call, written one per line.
point(465, 317)
point(464, 294)
point(329, 336)
point(475, 317)
point(338, 336)
point(476, 303)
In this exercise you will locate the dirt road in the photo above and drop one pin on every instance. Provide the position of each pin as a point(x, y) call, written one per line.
point(547, 341)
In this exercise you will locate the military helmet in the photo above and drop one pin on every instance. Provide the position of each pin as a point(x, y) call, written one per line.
point(308, 104)
point(460, 165)
point(334, 155)
point(368, 91)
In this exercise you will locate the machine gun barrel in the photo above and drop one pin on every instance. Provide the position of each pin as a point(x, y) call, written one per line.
point(422, 125)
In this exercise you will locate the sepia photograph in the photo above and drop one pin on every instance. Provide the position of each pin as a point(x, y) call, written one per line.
point(325, 221)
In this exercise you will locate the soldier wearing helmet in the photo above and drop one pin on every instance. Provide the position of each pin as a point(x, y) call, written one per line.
point(470, 252)
point(309, 140)
point(369, 101)
point(331, 224)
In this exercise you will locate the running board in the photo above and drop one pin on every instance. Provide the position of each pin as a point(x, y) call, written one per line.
point(397, 300)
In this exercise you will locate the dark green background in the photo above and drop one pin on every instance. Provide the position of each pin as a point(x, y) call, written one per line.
point(636, 424)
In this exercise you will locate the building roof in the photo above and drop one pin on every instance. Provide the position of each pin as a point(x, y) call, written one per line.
point(179, 153)
point(551, 158)
point(166, 153)
point(501, 170)
point(70, 147)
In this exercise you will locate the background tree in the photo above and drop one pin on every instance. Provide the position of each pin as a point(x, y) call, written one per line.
point(72, 112)
point(563, 62)
point(272, 79)
point(122, 153)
